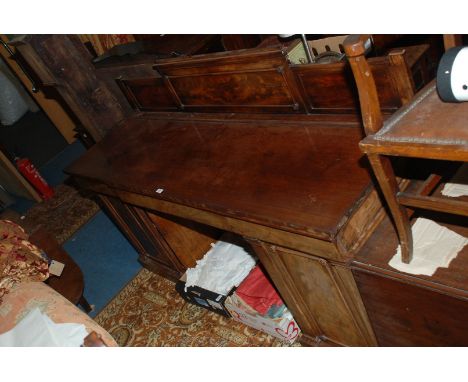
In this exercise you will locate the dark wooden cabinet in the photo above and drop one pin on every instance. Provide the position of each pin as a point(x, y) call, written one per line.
point(166, 246)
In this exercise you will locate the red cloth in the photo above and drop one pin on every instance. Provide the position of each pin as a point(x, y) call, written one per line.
point(257, 292)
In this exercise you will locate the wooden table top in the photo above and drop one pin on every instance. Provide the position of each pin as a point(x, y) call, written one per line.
point(427, 127)
point(300, 177)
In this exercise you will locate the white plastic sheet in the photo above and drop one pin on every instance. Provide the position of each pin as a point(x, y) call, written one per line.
point(37, 329)
point(12, 104)
point(223, 267)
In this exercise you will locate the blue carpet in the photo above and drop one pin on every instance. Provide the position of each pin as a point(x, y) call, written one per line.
point(107, 260)
point(52, 171)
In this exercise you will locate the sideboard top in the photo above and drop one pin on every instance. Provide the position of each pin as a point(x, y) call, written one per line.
point(299, 177)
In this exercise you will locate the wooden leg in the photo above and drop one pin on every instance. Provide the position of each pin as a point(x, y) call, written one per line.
point(85, 305)
point(384, 173)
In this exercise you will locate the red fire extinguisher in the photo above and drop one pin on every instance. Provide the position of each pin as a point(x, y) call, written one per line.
point(34, 177)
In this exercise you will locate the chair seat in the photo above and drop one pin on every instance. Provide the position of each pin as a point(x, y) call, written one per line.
point(424, 128)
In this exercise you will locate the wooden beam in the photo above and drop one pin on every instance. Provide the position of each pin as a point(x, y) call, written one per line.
point(433, 203)
point(50, 106)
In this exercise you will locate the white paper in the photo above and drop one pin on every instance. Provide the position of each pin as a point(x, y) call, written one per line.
point(37, 329)
point(459, 184)
point(223, 267)
point(434, 246)
point(455, 190)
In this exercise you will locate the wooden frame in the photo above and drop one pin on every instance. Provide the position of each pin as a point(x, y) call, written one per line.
point(415, 131)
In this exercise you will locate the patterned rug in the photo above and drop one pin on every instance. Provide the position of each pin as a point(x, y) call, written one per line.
point(150, 312)
point(62, 215)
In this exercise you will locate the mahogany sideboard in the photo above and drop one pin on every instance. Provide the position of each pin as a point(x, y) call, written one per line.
point(297, 191)
point(244, 142)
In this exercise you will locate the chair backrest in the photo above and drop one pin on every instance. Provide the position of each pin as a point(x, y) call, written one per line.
point(356, 47)
point(452, 40)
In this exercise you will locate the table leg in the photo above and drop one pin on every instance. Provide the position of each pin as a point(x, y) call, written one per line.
point(84, 304)
point(386, 177)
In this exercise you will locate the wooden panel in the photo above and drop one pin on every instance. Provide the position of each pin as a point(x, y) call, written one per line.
point(350, 293)
point(109, 204)
point(151, 247)
point(127, 70)
point(154, 242)
point(320, 292)
point(266, 88)
point(147, 94)
point(384, 75)
point(286, 286)
point(408, 315)
point(366, 216)
point(314, 285)
point(327, 88)
point(243, 81)
point(330, 88)
point(364, 219)
point(188, 240)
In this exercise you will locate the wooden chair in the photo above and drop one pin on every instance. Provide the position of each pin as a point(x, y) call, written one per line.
point(425, 127)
